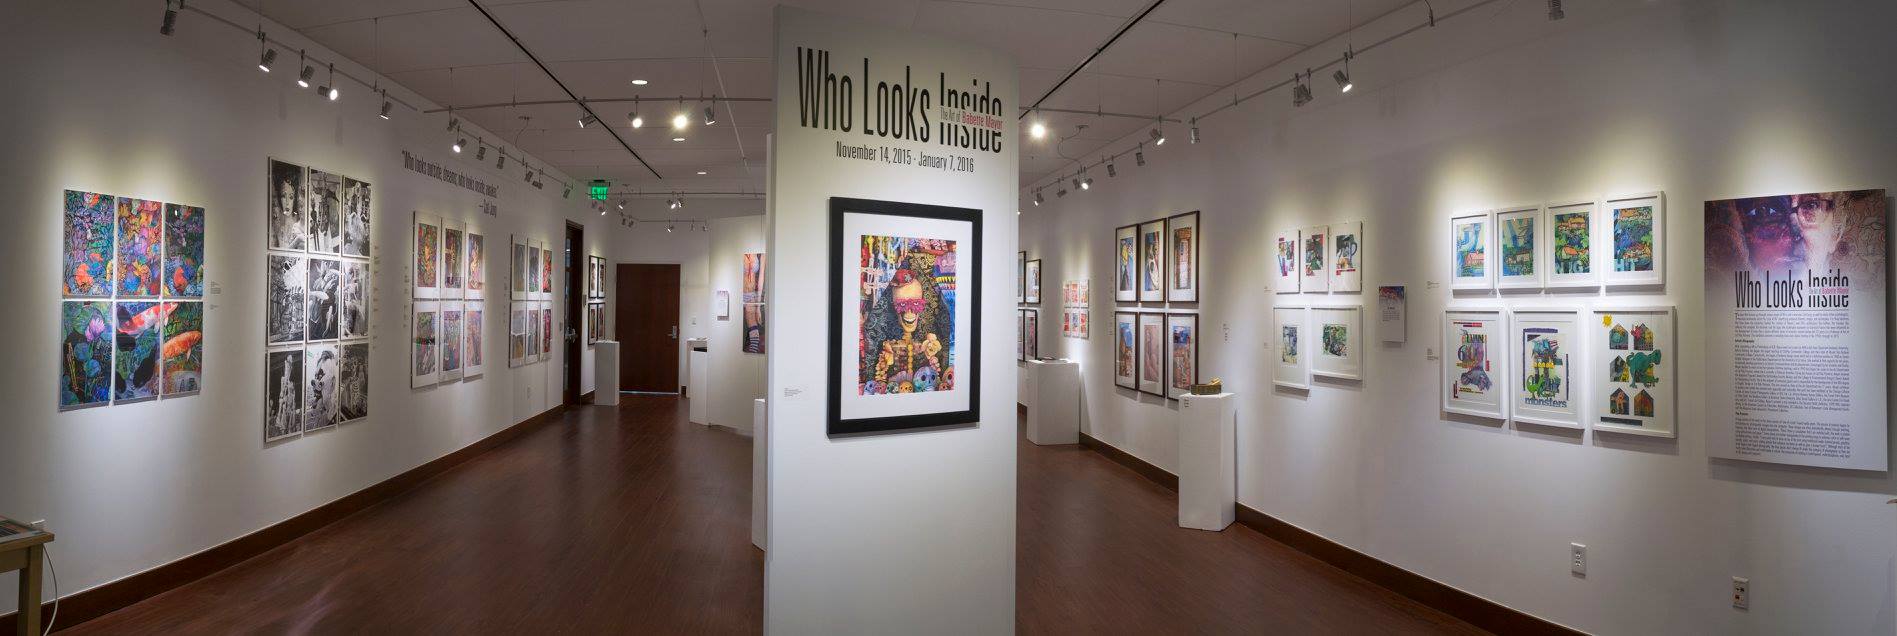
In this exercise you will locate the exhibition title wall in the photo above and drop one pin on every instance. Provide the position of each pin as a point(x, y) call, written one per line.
point(1470, 116)
point(132, 486)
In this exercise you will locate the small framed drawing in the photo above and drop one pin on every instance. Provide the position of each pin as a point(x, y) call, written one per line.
point(473, 353)
point(1571, 245)
point(424, 344)
point(426, 243)
point(1339, 342)
point(1545, 369)
point(1031, 330)
point(1632, 391)
point(1473, 359)
point(1520, 248)
point(1152, 353)
point(905, 316)
point(1314, 259)
point(1346, 257)
point(476, 256)
point(1182, 354)
point(1469, 241)
point(517, 268)
point(1021, 277)
point(1031, 275)
point(1287, 262)
point(1021, 335)
point(721, 304)
point(453, 267)
point(1125, 263)
point(1152, 261)
point(1292, 370)
point(1636, 239)
point(1182, 253)
point(1125, 346)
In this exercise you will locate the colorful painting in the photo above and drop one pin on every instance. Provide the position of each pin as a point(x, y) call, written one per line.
point(907, 309)
point(516, 335)
point(355, 219)
point(325, 285)
point(1345, 247)
point(352, 312)
point(1288, 343)
point(1573, 241)
point(325, 213)
point(1123, 350)
point(1152, 353)
point(184, 251)
point(753, 327)
point(352, 382)
point(1633, 239)
point(1152, 245)
point(135, 357)
point(286, 281)
point(473, 350)
point(1184, 354)
point(424, 343)
point(477, 269)
point(283, 394)
point(1517, 235)
point(1339, 343)
point(452, 242)
point(1471, 365)
point(89, 249)
point(518, 275)
point(1471, 249)
point(1336, 340)
point(546, 330)
point(1287, 256)
point(182, 354)
point(141, 236)
point(1031, 324)
point(1636, 392)
point(753, 278)
point(1544, 367)
point(288, 208)
point(85, 356)
point(546, 271)
point(533, 268)
point(427, 254)
point(1125, 261)
point(451, 356)
point(1314, 254)
point(1032, 277)
point(1292, 370)
point(322, 407)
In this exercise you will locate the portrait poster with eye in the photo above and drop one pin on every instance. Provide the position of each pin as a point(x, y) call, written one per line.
point(905, 311)
point(1795, 329)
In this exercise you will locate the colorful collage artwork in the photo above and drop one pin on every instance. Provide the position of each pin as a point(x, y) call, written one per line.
point(1075, 296)
point(1634, 390)
point(317, 285)
point(1182, 354)
point(1571, 243)
point(1292, 367)
point(1518, 248)
point(1125, 263)
point(1346, 257)
point(1636, 240)
point(1286, 265)
point(1473, 357)
point(1469, 254)
point(1152, 354)
point(1314, 269)
point(1545, 368)
point(1339, 343)
point(1124, 347)
point(132, 327)
point(906, 307)
point(1182, 252)
point(1152, 263)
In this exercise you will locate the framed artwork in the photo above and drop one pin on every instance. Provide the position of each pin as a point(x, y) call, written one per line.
point(1346, 257)
point(325, 215)
point(1339, 340)
point(1469, 240)
point(288, 206)
point(546, 271)
point(1031, 276)
point(1393, 313)
point(475, 286)
point(135, 354)
point(1152, 353)
point(352, 300)
point(183, 273)
point(1073, 323)
point(473, 351)
point(322, 311)
point(1636, 239)
point(1632, 391)
point(533, 270)
point(450, 352)
point(753, 278)
point(516, 334)
point(85, 353)
point(285, 281)
point(86, 254)
point(1473, 356)
point(1292, 369)
point(1314, 264)
point(425, 344)
point(1544, 372)
point(1182, 251)
point(322, 364)
point(546, 330)
point(517, 272)
point(1125, 263)
point(1125, 344)
point(1021, 335)
point(596, 276)
point(1182, 354)
point(352, 382)
point(453, 268)
point(140, 232)
point(356, 199)
point(753, 328)
point(1152, 283)
point(1021, 277)
point(721, 304)
point(283, 394)
point(1520, 248)
point(1571, 261)
point(1031, 327)
point(425, 242)
point(1288, 265)
point(182, 365)
point(595, 322)
point(905, 316)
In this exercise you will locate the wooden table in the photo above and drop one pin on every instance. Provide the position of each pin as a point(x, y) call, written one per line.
point(28, 556)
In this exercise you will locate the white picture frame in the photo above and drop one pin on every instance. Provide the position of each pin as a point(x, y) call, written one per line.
point(1344, 256)
point(1335, 355)
point(1549, 349)
point(1512, 272)
point(474, 259)
point(1314, 263)
point(1471, 234)
point(1285, 262)
point(1615, 222)
point(474, 339)
point(1290, 347)
point(721, 304)
point(424, 247)
point(1475, 363)
point(424, 331)
point(1582, 269)
point(454, 271)
point(1625, 414)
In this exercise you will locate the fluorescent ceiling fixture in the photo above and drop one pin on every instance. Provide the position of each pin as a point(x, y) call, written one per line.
point(639, 82)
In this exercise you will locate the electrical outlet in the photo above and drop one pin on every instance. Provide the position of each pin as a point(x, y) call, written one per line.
point(1741, 592)
point(39, 525)
point(1577, 559)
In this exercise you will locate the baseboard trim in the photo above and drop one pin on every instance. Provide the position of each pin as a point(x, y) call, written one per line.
point(588, 397)
point(1478, 611)
point(85, 605)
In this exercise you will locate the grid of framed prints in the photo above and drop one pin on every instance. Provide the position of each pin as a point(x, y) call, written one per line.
point(530, 315)
point(1573, 243)
point(1030, 334)
point(446, 327)
point(1633, 391)
point(1339, 340)
point(1474, 357)
point(131, 324)
point(1292, 368)
point(1319, 258)
point(1545, 367)
point(596, 299)
point(1075, 297)
point(318, 281)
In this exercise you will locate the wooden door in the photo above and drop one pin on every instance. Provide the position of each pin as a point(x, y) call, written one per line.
point(646, 304)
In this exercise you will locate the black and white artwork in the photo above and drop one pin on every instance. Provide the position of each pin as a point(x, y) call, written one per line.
point(286, 284)
point(352, 382)
point(355, 198)
point(283, 394)
point(352, 312)
point(325, 212)
point(321, 407)
point(288, 207)
point(325, 282)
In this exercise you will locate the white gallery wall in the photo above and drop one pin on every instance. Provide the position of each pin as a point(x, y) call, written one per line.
point(737, 377)
point(1495, 107)
point(102, 102)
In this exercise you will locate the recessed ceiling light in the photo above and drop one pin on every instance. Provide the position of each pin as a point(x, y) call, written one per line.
point(701, 172)
point(639, 82)
point(678, 139)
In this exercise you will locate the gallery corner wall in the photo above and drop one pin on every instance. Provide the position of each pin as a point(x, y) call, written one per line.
point(190, 119)
point(909, 531)
point(1493, 108)
point(737, 376)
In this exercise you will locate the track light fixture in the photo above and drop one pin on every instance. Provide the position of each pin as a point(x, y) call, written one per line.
point(710, 116)
point(303, 77)
point(1076, 181)
point(634, 118)
point(1111, 172)
point(588, 120)
point(171, 18)
point(458, 143)
point(1061, 193)
point(501, 163)
point(268, 56)
point(1300, 93)
point(1037, 198)
point(1158, 134)
point(622, 204)
point(329, 90)
point(1343, 75)
point(528, 177)
point(568, 194)
point(1086, 183)
point(387, 105)
point(669, 228)
point(679, 119)
point(1139, 155)
point(1038, 130)
point(480, 149)
point(1554, 10)
point(1195, 131)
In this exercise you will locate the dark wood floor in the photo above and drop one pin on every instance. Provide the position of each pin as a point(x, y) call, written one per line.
point(632, 520)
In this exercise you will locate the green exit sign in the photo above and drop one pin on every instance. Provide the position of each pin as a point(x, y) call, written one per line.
point(597, 189)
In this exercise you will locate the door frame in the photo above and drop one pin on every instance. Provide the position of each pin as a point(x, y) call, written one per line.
point(623, 326)
point(571, 337)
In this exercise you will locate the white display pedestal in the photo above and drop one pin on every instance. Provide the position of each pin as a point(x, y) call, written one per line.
point(698, 368)
point(1054, 413)
point(760, 495)
point(1208, 460)
point(606, 373)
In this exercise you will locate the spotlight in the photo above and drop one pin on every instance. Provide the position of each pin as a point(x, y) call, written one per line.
point(1038, 130)
point(710, 117)
point(1554, 10)
point(1038, 199)
point(1061, 193)
point(680, 203)
point(680, 121)
point(1111, 172)
point(1086, 183)
point(528, 177)
point(1195, 131)
point(1343, 81)
point(1139, 156)
point(568, 193)
point(1301, 92)
point(637, 121)
point(480, 149)
point(171, 19)
point(386, 105)
point(622, 204)
point(702, 173)
point(669, 228)
point(1159, 138)
point(602, 210)
point(678, 139)
point(454, 123)
point(330, 90)
point(1077, 184)
point(269, 57)
point(303, 78)
point(501, 162)
point(588, 120)
point(459, 142)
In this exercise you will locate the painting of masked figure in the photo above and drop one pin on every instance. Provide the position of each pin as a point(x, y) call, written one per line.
point(906, 349)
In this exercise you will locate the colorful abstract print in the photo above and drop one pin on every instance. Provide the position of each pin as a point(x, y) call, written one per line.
point(1633, 239)
point(907, 315)
point(1545, 363)
point(1518, 246)
point(89, 245)
point(140, 237)
point(183, 350)
point(1572, 251)
point(184, 251)
point(135, 363)
point(85, 358)
point(1471, 251)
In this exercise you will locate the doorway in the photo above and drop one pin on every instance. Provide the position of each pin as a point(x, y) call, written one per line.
point(575, 315)
point(646, 302)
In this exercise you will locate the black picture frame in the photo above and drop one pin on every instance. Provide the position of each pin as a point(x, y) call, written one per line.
point(1031, 331)
point(1021, 335)
point(1031, 265)
point(1139, 351)
point(1133, 357)
point(1198, 242)
point(1166, 385)
point(968, 291)
point(1021, 277)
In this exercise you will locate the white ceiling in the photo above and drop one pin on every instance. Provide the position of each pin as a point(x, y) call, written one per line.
point(447, 52)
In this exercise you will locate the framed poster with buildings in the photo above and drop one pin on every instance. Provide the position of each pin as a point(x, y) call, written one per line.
point(1182, 254)
point(905, 316)
point(1125, 263)
point(1473, 359)
point(1471, 238)
point(1520, 248)
point(1571, 253)
point(1635, 239)
point(1545, 370)
point(1636, 370)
